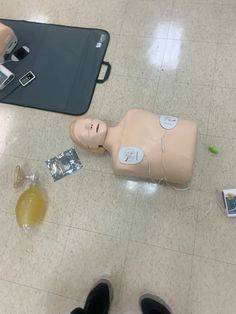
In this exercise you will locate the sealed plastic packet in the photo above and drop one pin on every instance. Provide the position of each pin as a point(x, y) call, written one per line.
point(64, 164)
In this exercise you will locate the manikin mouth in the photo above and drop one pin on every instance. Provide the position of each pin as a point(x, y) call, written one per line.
point(97, 128)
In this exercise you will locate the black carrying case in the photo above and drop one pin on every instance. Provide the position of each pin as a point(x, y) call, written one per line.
point(66, 62)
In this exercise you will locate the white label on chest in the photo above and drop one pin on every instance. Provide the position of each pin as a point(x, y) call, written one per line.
point(168, 122)
point(131, 155)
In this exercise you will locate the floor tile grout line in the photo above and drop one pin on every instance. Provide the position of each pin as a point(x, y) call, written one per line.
point(195, 227)
point(38, 289)
point(135, 77)
point(224, 87)
point(102, 98)
point(133, 215)
point(177, 83)
point(154, 80)
point(211, 109)
point(161, 247)
point(182, 252)
point(144, 77)
point(123, 20)
point(190, 285)
point(7, 242)
point(64, 248)
point(112, 236)
point(20, 157)
point(214, 260)
point(122, 276)
point(192, 261)
point(219, 137)
point(155, 101)
point(155, 98)
point(177, 39)
point(171, 14)
point(213, 82)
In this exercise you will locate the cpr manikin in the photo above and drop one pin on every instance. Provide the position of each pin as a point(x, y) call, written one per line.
point(143, 145)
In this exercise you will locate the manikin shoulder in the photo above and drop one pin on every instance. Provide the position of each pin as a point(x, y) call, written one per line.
point(138, 117)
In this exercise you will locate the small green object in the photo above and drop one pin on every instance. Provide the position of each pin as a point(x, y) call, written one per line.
point(214, 149)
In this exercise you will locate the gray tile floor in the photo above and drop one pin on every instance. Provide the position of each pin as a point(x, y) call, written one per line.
point(168, 56)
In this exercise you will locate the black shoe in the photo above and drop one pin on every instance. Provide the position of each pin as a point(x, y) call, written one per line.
point(78, 310)
point(151, 304)
point(99, 298)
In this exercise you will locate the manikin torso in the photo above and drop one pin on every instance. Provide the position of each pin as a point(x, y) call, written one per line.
point(167, 154)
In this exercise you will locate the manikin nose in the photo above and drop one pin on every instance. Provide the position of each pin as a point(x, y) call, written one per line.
point(90, 126)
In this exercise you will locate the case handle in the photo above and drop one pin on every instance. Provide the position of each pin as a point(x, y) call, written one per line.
point(107, 74)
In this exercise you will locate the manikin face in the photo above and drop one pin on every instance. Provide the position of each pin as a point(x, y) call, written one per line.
point(90, 132)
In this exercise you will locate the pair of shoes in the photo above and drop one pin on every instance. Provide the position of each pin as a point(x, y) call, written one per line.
point(100, 297)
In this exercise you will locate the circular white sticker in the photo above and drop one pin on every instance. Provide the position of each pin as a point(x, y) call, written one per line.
point(168, 122)
point(131, 155)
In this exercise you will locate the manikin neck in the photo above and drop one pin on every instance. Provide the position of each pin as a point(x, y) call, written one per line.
point(111, 138)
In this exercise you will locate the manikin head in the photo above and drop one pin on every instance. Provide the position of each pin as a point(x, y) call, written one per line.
point(89, 133)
